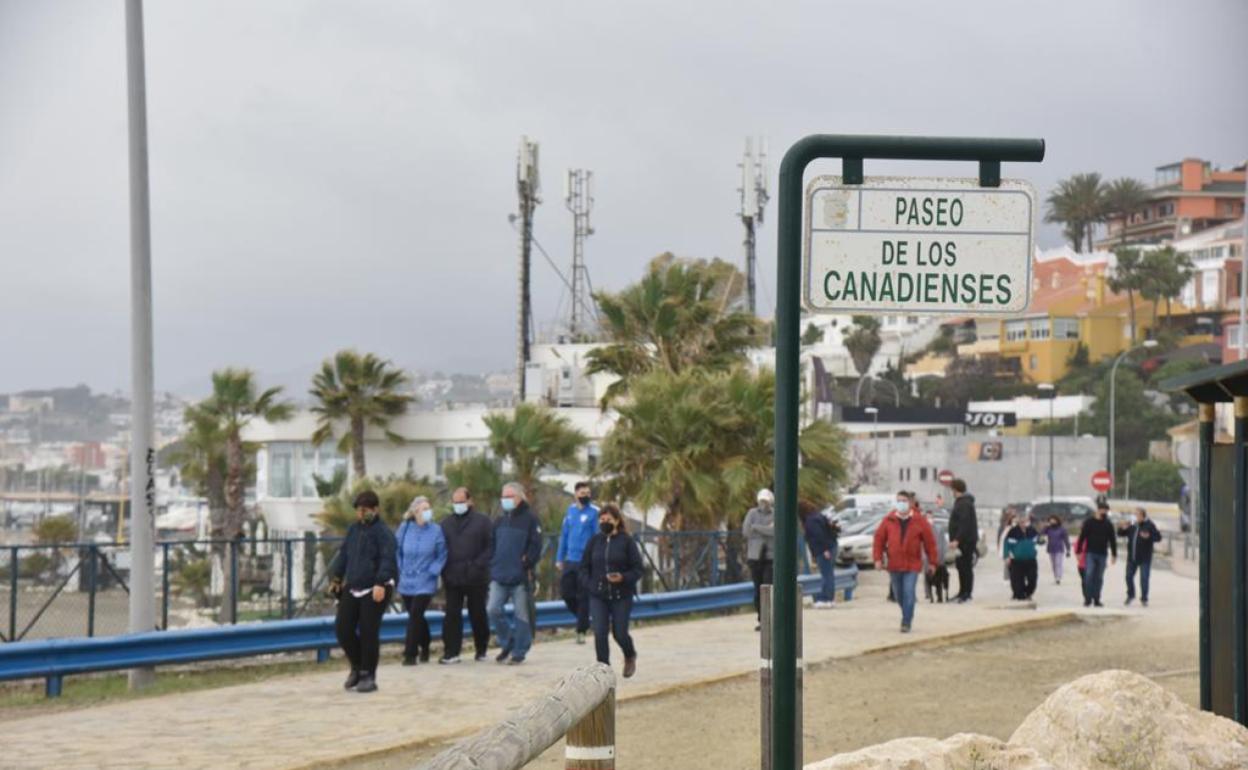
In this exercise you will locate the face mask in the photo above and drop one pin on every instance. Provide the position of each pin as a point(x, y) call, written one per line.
point(583, 499)
point(426, 515)
point(459, 508)
point(509, 503)
point(606, 527)
point(900, 506)
point(368, 516)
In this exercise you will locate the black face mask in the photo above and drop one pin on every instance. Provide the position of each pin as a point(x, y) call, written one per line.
point(606, 527)
point(583, 499)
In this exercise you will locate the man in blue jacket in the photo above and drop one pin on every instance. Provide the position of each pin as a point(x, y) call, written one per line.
point(579, 525)
point(517, 548)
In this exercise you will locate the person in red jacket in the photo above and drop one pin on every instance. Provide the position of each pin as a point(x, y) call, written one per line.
point(900, 542)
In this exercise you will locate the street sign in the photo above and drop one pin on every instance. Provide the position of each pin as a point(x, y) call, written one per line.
point(1102, 481)
point(917, 245)
point(945, 477)
point(991, 419)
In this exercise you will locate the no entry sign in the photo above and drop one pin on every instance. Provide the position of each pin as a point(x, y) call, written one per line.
point(917, 245)
point(1102, 481)
point(945, 477)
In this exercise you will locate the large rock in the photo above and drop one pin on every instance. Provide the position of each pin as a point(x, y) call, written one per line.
point(964, 751)
point(1119, 720)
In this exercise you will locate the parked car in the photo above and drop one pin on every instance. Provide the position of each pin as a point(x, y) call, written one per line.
point(856, 540)
point(865, 500)
point(1070, 510)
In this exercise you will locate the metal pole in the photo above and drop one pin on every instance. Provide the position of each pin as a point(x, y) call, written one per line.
point(1239, 564)
point(766, 692)
point(1205, 481)
point(750, 295)
point(164, 586)
point(142, 454)
point(13, 593)
point(290, 578)
point(91, 583)
point(233, 581)
point(1052, 398)
point(1243, 275)
point(1113, 374)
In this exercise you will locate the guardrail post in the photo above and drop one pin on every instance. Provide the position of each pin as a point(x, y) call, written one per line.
point(678, 546)
point(289, 549)
point(13, 594)
point(322, 654)
point(164, 587)
point(764, 677)
point(52, 686)
point(714, 558)
point(91, 584)
point(591, 742)
point(233, 581)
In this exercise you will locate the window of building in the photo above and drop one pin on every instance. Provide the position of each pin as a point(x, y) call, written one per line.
point(1066, 328)
point(1165, 210)
point(1232, 335)
point(1031, 363)
point(281, 470)
point(442, 457)
point(1188, 297)
point(1209, 288)
point(1038, 328)
point(1015, 330)
point(922, 474)
point(292, 468)
point(1219, 252)
point(912, 319)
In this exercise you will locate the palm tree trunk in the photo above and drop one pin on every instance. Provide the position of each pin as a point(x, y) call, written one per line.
point(357, 447)
point(1131, 309)
point(217, 504)
point(234, 498)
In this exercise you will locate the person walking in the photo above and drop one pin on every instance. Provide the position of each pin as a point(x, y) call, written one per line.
point(362, 579)
point(937, 578)
point(611, 563)
point(821, 540)
point(1141, 535)
point(759, 529)
point(1098, 539)
point(900, 543)
point(579, 525)
point(469, 539)
point(964, 535)
point(517, 547)
point(421, 550)
point(1057, 544)
point(1020, 555)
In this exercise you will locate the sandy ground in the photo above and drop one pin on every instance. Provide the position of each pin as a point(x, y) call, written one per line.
point(985, 687)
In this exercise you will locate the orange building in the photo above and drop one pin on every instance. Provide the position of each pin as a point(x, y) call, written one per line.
point(1186, 197)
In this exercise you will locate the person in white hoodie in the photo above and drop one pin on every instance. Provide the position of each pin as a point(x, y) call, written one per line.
point(759, 529)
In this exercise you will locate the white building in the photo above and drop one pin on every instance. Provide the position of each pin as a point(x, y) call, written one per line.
point(286, 459)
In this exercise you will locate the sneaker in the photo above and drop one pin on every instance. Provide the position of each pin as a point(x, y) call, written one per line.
point(515, 661)
point(445, 661)
point(580, 637)
point(424, 656)
point(409, 661)
point(1127, 603)
point(352, 680)
point(905, 628)
point(1098, 603)
point(502, 656)
point(1087, 602)
point(367, 684)
point(481, 657)
point(630, 667)
point(1143, 602)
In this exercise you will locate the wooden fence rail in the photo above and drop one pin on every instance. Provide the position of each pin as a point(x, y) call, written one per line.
point(581, 706)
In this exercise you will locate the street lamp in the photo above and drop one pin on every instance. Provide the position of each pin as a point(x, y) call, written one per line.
point(1113, 374)
point(875, 430)
point(1047, 387)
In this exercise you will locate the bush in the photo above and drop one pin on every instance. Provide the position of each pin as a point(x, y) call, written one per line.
point(35, 566)
point(1156, 480)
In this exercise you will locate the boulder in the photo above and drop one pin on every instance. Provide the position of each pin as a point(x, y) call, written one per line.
point(964, 751)
point(1120, 720)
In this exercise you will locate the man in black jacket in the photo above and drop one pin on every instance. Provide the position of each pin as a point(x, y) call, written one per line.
point(1141, 535)
point(963, 535)
point(1098, 539)
point(363, 573)
point(466, 576)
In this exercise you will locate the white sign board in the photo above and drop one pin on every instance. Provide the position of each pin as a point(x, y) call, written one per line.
point(917, 245)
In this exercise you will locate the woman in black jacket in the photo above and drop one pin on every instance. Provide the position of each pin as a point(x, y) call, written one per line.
point(612, 565)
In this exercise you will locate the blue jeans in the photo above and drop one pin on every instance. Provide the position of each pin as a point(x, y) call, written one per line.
point(903, 584)
point(1095, 579)
point(514, 634)
point(827, 592)
point(1145, 568)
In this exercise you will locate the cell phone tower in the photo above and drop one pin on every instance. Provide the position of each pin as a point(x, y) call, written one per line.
point(753, 204)
point(578, 195)
point(528, 189)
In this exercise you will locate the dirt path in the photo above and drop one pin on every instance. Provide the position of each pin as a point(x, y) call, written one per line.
point(986, 687)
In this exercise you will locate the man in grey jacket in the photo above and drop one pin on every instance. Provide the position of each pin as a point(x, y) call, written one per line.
point(760, 545)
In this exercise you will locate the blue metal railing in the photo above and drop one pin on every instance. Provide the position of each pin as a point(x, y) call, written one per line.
point(54, 659)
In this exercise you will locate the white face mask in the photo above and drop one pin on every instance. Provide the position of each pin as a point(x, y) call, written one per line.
point(901, 506)
point(426, 515)
point(459, 508)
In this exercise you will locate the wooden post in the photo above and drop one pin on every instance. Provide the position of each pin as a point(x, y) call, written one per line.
point(800, 675)
point(591, 741)
point(764, 678)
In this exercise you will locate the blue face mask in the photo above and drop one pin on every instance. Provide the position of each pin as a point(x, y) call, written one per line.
point(426, 515)
point(459, 508)
point(509, 503)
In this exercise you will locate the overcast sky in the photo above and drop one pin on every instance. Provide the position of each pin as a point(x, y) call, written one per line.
point(329, 174)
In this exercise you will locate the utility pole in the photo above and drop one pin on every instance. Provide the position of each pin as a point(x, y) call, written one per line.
point(578, 195)
point(142, 452)
point(1243, 275)
point(753, 204)
point(528, 190)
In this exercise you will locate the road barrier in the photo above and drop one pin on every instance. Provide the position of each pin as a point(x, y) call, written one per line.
point(53, 659)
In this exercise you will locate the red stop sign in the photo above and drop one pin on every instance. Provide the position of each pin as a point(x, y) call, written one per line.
point(945, 477)
point(1102, 481)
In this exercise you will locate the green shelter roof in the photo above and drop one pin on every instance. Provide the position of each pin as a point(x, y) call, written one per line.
point(1212, 385)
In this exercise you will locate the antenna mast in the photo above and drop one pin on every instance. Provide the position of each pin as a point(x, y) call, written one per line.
point(578, 195)
point(753, 204)
point(528, 190)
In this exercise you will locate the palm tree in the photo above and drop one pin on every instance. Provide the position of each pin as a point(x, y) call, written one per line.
point(362, 389)
point(1163, 274)
point(862, 340)
point(1121, 198)
point(235, 402)
point(1078, 203)
point(1129, 278)
point(683, 313)
point(532, 438)
point(481, 476)
point(200, 457)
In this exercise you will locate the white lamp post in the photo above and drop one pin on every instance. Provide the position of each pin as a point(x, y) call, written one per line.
point(1047, 387)
point(1113, 374)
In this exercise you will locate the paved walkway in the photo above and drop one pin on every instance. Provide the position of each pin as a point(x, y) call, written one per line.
point(306, 720)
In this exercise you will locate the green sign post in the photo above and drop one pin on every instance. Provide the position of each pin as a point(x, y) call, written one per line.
point(852, 150)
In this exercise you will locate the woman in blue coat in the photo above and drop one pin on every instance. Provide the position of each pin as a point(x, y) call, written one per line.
point(421, 552)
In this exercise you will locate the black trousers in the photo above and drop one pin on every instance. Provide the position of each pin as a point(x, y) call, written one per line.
point(416, 642)
point(760, 573)
point(453, 630)
point(358, 626)
point(965, 565)
point(575, 597)
point(612, 614)
point(1023, 573)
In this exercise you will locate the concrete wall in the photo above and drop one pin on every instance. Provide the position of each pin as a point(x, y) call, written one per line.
point(1021, 475)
